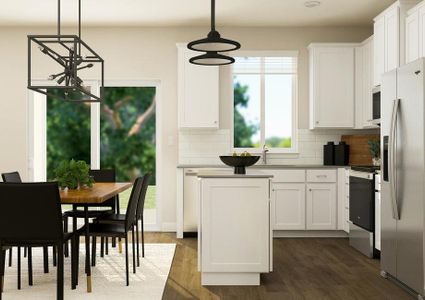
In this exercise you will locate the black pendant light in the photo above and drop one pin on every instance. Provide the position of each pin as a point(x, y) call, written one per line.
point(212, 58)
point(213, 44)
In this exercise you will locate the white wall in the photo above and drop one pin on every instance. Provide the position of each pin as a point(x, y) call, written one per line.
point(145, 53)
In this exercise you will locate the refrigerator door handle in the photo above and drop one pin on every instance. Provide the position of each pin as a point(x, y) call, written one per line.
point(393, 159)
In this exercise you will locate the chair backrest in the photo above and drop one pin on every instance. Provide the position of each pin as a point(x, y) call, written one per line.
point(130, 215)
point(105, 175)
point(141, 202)
point(30, 212)
point(11, 177)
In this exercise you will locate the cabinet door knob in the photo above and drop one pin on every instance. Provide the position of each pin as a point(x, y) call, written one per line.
point(309, 190)
point(317, 122)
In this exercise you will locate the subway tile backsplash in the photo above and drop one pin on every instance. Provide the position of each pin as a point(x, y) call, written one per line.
point(203, 147)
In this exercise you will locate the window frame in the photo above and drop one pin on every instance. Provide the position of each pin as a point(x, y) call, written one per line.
point(294, 138)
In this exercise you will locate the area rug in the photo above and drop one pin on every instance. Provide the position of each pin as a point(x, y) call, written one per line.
point(108, 276)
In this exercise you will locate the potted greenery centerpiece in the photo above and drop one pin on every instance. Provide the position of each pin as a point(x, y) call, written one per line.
point(73, 174)
point(375, 151)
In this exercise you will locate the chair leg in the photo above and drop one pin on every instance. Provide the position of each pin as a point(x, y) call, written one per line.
point(46, 259)
point(2, 265)
point(73, 267)
point(25, 251)
point(77, 258)
point(65, 230)
point(19, 268)
point(93, 252)
point(126, 262)
point(54, 256)
point(143, 238)
point(134, 249)
point(137, 243)
point(106, 245)
point(102, 246)
point(30, 266)
point(60, 272)
point(10, 257)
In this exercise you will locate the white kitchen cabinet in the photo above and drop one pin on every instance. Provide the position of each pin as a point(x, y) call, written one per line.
point(234, 238)
point(392, 40)
point(378, 50)
point(364, 84)
point(321, 206)
point(288, 206)
point(198, 93)
point(390, 50)
point(412, 36)
point(332, 72)
point(415, 32)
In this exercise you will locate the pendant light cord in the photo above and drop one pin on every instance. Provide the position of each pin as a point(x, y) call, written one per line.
point(79, 26)
point(212, 15)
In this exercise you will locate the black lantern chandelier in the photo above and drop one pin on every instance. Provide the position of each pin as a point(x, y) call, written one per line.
point(212, 45)
point(74, 59)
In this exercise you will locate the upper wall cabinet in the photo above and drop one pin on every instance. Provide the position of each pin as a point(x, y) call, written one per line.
point(415, 32)
point(332, 71)
point(389, 38)
point(364, 84)
point(198, 93)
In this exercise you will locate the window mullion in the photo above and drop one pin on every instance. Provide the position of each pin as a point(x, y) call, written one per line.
point(263, 103)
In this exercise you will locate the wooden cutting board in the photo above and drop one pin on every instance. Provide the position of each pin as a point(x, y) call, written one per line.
point(359, 148)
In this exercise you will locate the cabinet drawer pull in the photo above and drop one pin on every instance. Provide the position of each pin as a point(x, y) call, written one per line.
point(321, 176)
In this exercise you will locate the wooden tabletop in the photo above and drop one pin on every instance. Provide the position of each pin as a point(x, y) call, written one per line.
point(100, 192)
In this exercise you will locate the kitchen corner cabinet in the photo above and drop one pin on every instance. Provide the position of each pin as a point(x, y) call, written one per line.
point(198, 93)
point(321, 206)
point(332, 72)
point(390, 49)
point(288, 206)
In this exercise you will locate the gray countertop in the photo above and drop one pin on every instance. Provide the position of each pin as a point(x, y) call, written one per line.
point(260, 166)
point(229, 174)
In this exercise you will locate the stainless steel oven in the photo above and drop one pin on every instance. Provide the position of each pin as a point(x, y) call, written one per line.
point(376, 105)
point(362, 210)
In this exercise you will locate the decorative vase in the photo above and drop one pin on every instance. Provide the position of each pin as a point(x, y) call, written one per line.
point(376, 161)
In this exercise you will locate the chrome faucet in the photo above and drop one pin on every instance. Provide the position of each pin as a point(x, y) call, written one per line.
point(265, 150)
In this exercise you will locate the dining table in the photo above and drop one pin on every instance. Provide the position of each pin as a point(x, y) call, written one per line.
point(89, 196)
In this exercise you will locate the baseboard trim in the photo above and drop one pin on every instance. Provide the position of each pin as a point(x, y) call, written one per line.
point(168, 227)
point(309, 234)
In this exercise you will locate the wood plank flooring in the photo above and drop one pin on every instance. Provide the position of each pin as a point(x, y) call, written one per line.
point(303, 269)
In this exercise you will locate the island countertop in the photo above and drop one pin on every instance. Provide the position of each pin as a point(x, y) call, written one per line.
point(260, 166)
point(230, 174)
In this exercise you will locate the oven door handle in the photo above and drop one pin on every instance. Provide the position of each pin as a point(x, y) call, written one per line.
point(393, 159)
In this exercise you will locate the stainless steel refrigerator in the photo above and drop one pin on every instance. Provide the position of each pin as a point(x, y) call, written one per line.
point(403, 172)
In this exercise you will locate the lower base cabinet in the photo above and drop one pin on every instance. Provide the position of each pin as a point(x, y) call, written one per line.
point(288, 206)
point(321, 206)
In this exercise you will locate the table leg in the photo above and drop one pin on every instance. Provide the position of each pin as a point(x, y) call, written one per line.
point(88, 268)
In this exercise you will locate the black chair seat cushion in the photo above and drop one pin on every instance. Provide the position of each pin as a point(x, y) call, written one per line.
point(77, 213)
point(99, 229)
point(111, 218)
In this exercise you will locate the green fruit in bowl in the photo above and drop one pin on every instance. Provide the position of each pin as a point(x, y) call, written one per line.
point(234, 154)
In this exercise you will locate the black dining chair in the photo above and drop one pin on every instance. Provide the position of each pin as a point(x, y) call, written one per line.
point(14, 177)
point(31, 216)
point(110, 206)
point(120, 230)
point(120, 218)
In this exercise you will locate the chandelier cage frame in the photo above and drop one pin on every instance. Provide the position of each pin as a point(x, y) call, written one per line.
point(67, 51)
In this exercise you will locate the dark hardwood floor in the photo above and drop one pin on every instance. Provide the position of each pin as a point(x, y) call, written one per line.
point(303, 269)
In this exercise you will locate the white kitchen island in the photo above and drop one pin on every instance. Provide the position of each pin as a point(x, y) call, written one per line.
point(234, 234)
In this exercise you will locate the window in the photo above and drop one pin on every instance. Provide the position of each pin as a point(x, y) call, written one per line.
point(264, 102)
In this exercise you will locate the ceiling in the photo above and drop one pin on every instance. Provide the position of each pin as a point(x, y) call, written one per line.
point(255, 13)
